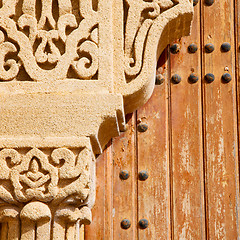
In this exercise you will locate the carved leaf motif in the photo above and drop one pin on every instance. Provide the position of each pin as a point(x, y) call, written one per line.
point(31, 178)
point(44, 189)
point(36, 175)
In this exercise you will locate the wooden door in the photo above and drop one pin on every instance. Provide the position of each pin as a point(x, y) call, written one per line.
point(185, 139)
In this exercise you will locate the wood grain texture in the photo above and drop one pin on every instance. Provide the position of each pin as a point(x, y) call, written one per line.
point(237, 73)
point(190, 149)
point(188, 211)
point(125, 191)
point(101, 226)
point(153, 156)
point(220, 118)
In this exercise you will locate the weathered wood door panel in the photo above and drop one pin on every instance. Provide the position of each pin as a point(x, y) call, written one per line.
point(190, 149)
point(220, 124)
point(157, 186)
point(188, 218)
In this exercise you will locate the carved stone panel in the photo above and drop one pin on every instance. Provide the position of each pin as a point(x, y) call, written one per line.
point(69, 72)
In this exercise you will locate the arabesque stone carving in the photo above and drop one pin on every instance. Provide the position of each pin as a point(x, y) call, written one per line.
point(69, 72)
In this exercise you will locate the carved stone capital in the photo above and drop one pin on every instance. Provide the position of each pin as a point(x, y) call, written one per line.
point(69, 72)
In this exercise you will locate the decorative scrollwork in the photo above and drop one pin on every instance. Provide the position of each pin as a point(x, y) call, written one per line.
point(52, 43)
point(140, 16)
point(8, 68)
point(35, 175)
point(44, 193)
point(87, 64)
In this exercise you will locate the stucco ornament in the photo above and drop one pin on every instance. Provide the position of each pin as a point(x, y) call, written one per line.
point(69, 72)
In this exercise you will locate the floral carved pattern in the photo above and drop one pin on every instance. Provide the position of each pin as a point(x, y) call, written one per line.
point(35, 175)
point(44, 188)
point(50, 43)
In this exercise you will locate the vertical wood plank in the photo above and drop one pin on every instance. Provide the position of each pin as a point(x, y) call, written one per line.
point(96, 229)
point(101, 226)
point(237, 73)
point(125, 192)
point(153, 157)
point(221, 155)
point(188, 211)
point(108, 227)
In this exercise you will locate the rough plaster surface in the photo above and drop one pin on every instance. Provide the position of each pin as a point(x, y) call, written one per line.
point(69, 72)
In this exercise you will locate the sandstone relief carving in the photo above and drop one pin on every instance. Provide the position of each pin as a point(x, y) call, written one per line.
point(69, 72)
